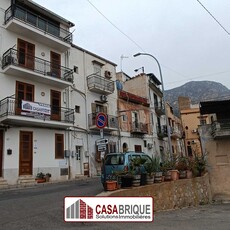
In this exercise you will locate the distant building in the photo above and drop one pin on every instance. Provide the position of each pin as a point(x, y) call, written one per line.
point(191, 119)
point(215, 140)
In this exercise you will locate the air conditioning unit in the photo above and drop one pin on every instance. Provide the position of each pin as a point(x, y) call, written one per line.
point(150, 145)
point(103, 98)
point(108, 74)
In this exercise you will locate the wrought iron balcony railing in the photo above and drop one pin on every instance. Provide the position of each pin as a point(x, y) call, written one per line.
point(139, 127)
point(11, 106)
point(162, 131)
point(38, 65)
point(100, 84)
point(111, 122)
point(35, 20)
point(159, 108)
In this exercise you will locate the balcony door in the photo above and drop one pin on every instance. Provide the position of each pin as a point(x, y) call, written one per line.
point(26, 153)
point(1, 151)
point(25, 92)
point(55, 97)
point(26, 53)
point(55, 64)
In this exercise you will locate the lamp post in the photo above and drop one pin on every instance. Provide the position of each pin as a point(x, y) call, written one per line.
point(164, 102)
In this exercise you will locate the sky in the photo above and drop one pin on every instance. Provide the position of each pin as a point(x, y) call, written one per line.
point(189, 44)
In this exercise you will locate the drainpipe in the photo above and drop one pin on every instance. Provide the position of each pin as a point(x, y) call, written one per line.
point(86, 109)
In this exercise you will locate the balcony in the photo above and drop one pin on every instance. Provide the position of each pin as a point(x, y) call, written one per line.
point(34, 114)
point(111, 123)
point(139, 128)
point(221, 129)
point(175, 132)
point(159, 109)
point(162, 131)
point(36, 69)
point(99, 84)
point(35, 27)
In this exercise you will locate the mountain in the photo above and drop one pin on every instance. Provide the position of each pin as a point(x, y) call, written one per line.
point(197, 91)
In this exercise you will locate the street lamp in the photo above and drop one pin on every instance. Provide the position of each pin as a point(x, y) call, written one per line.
point(164, 101)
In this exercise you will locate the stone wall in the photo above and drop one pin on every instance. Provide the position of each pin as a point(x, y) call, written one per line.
point(174, 194)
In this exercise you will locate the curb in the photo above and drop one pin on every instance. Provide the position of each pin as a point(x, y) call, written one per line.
point(24, 186)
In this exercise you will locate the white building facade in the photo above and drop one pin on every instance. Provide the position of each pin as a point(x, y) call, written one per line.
point(35, 80)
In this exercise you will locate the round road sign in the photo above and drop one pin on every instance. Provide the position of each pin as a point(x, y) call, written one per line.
point(101, 120)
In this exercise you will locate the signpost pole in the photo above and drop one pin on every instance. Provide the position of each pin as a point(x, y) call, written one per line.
point(101, 133)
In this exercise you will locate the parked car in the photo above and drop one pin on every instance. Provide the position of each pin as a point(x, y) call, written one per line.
point(121, 162)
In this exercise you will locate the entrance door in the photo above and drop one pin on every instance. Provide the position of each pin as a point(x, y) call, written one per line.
point(25, 153)
point(55, 105)
point(1, 151)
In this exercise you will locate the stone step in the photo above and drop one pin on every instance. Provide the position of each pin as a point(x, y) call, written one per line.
point(26, 180)
point(3, 183)
point(80, 176)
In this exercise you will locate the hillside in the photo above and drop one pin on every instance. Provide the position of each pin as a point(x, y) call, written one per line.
point(197, 91)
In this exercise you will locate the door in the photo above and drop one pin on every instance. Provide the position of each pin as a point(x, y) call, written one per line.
point(26, 53)
point(55, 105)
point(138, 148)
point(25, 153)
point(1, 151)
point(25, 92)
point(55, 64)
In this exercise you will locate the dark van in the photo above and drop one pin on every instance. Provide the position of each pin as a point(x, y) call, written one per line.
point(120, 162)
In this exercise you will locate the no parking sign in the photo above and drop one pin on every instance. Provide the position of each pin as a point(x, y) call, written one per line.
point(101, 120)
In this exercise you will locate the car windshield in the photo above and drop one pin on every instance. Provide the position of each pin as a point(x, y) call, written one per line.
point(115, 159)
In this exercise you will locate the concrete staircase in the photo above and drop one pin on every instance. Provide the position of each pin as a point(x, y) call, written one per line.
point(26, 181)
point(3, 183)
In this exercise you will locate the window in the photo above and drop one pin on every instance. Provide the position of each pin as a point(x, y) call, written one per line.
point(77, 108)
point(97, 69)
point(189, 149)
point(55, 64)
point(112, 147)
point(124, 117)
point(26, 52)
point(145, 143)
point(25, 92)
point(59, 146)
point(75, 69)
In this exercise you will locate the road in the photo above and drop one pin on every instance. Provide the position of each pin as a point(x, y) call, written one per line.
point(41, 207)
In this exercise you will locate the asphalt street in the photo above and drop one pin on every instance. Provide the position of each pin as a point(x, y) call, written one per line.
point(41, 207)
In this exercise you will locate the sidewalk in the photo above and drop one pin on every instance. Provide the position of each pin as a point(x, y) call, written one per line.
point(33, 185)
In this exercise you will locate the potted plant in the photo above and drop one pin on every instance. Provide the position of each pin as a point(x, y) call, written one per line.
point(157, 169)
point(149, 168)
point(190, 164)
point(182, 167)
point(200, 164)
point(47, 177)
point(111, 183)
point(135, 170)
point(40, 177)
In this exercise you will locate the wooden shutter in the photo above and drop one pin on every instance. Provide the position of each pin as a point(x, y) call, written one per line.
point(59, 146)
point(26, 54)
point(55, 105)
point(55, 64)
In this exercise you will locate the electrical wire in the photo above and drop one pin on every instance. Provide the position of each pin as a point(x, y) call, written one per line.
point(115, 26)
point(127, 36)
point(213, 17)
